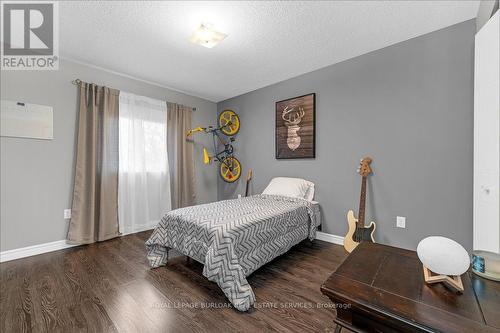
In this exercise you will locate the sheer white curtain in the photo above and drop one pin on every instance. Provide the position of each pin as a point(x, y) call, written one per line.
point(143, 180)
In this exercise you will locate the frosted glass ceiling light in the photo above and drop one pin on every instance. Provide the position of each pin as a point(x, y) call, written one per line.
point(206, 36)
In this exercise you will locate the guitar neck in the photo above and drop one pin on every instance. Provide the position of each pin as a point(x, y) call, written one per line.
point(246, 188)
point(249, 178)
point(362, 201)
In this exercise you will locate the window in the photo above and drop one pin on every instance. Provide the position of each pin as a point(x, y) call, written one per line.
point(144, 180)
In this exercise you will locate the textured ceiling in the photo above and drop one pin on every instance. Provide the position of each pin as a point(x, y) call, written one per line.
point(268, 41)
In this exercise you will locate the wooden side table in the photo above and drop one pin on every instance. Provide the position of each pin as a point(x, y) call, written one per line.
point(380, 288)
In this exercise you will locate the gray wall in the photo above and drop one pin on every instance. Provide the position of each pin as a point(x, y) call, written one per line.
point(37, 175)
point(410, 107)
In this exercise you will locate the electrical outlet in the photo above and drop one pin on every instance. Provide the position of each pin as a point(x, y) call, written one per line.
point(401, 221)
point(67, 214)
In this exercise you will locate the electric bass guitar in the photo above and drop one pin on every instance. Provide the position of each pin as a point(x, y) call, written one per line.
point(358, 232)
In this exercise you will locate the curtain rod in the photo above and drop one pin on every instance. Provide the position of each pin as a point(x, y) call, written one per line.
point(77, 82)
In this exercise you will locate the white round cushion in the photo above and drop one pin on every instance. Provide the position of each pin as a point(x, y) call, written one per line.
point(443, 255)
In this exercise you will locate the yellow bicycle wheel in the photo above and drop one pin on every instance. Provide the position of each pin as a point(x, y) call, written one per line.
point(230, 169)
point(229, 122)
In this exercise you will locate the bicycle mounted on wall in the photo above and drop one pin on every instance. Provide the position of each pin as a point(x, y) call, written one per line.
point(229, 125)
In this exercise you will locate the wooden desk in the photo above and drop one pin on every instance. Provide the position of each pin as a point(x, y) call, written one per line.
point(380, 288)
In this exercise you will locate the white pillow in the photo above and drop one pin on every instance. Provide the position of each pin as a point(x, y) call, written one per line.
point(291, 187)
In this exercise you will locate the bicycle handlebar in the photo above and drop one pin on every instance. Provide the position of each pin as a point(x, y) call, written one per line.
point(197, 129)
point(208, 129)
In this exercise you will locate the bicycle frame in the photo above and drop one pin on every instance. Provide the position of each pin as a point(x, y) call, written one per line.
point(216, 133)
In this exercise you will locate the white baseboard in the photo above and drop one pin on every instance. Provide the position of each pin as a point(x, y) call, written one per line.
point(330, 238)
point(33, 250)
point(57, 245)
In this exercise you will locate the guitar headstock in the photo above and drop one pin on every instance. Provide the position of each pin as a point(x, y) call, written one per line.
point(364, 168)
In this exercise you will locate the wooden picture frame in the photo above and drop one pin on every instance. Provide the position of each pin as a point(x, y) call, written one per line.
point(295, 127)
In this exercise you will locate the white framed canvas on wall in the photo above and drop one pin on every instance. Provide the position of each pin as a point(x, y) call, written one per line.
point(25, 120)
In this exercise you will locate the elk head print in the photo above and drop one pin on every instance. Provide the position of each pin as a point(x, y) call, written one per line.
point(292, 117)
point(295, 134)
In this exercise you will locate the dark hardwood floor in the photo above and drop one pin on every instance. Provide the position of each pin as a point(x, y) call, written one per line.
point(108, 287)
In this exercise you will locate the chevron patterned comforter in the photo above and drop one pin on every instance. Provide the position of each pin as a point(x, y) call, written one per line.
point(233, 238)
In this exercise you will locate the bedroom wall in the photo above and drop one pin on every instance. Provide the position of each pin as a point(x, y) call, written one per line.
point(37, 175)
point(409, 106)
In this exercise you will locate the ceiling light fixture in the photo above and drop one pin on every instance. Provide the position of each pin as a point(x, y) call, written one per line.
point(206, 36)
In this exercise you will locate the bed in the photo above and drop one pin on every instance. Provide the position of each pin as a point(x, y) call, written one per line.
point(233, 238)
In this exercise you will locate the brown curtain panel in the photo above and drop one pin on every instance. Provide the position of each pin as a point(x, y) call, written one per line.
point(95, 194)
point(180, 155)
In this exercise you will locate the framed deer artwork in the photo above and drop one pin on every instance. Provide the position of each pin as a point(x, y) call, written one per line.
point(295, 127)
